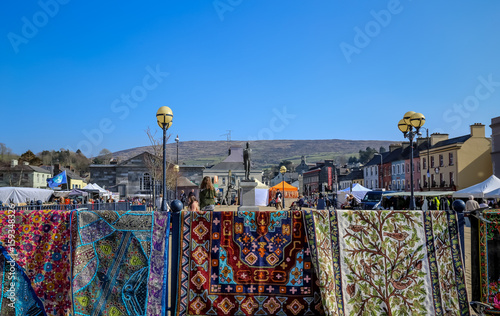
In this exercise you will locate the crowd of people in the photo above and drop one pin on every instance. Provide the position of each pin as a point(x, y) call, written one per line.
point(208, 199)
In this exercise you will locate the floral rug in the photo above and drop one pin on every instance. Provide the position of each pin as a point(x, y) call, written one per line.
point(489, 249)
point(388, 262)
point(246, 263)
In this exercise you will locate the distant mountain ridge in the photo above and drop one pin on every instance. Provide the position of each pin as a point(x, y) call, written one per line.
point(264, 152)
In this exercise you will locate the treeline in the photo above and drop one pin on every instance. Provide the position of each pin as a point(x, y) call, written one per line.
point(77, 161)
point(365, 155)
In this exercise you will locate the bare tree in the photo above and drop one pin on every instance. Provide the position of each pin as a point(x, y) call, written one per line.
point(5, 152)
point(105, 155)
point(154, 162)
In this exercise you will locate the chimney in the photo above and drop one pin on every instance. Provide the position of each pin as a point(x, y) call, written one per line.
point(393, 147)
point(438, 137)
point(26, 163)
point(477, 130)
point(13, 163)
point(57, 168)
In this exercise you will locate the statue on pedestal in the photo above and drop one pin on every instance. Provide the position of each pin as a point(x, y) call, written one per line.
point(246, 161)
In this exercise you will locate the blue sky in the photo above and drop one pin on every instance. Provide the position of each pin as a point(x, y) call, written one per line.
point(91, 75)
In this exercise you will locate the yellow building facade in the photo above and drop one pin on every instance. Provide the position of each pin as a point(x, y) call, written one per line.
point(459, 162)
point(76, 183)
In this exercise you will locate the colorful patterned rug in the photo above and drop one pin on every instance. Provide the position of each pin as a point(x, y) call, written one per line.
point(388, 262)
point(42, 249)
point(489, 249)
point(246, 263)
point(17, 297)
point(119, 263)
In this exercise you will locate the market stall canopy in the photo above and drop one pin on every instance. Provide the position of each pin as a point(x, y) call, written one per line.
point(358, 191)
point(22, 195)
point(261, 194)
point(290, 191)
point(480, 189)
point(95, 188)
point(495, 194)
point(76, 192)
point(91, 187)
point(63, 194)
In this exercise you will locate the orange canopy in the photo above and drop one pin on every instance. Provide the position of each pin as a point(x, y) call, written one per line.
point(290, 191)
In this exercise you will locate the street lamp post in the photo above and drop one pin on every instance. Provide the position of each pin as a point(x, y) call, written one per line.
point(176, 170)
point(177, 166)
point(428, 160)
point(164, 117)
point(410, 126)
point(283, 171)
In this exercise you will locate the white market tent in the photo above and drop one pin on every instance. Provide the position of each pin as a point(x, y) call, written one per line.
point(495, 194)
point(480, 189)
point(22, 195)
point(261, 194)
point(93, 187)
point(358, 191)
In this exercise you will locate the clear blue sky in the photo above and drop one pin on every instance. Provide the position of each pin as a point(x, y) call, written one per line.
point(92, 74)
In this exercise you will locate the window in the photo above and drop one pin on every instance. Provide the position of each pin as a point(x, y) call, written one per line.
point(402, 184)
point(450, 157)
point(223, 181)
point(398, 169)
point(402, 168)
point(145, 182)
point(441, 180)
point(397, 184)
point(432, 162)
point(418, 166)
point(425, 163)
point(452, 179)
point(376, 183)
point(441, 160)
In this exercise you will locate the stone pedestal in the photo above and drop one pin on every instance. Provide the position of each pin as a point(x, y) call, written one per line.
point(247, 202)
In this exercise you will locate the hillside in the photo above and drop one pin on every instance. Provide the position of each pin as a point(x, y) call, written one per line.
point(264, 152)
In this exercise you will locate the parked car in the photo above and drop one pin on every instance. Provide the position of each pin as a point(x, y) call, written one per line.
point(372, 199)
